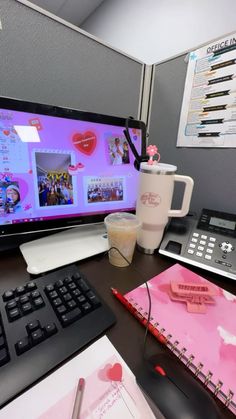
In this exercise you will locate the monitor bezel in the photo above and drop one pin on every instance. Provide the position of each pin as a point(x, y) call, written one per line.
point(69, 113)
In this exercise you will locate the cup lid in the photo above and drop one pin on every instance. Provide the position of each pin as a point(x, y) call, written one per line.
point(121, 220)
point(159, 168)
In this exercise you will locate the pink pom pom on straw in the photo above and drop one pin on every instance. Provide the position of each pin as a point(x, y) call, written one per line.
point(152, 150)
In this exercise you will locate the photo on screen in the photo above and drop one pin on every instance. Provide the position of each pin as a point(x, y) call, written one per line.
point(10, 200)
point(55, 186)
point(118, 150)
point(105, 189)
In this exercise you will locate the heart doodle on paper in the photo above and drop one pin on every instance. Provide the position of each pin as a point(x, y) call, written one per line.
point(115, 373)
point(102, 373)
point(86, 142)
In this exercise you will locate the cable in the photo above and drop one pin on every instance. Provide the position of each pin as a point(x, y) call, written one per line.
point(148, 293)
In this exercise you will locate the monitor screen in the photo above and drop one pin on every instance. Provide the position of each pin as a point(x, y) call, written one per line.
point(62, 167)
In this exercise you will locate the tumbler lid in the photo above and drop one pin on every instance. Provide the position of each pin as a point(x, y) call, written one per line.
point(159, 168)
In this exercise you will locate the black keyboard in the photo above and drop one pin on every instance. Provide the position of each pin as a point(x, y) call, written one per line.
point(42, 323)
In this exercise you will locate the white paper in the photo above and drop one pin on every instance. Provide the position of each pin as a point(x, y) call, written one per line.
point(208, 114)
point(111, 397)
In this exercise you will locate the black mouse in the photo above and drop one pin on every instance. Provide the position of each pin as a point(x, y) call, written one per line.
point(174, 391)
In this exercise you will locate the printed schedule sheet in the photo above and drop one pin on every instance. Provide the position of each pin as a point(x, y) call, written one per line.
point(208, 114)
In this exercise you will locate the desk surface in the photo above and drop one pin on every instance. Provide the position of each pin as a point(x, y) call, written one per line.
point(103, 276)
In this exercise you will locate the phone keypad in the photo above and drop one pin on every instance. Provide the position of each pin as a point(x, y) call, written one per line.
point(202, 246)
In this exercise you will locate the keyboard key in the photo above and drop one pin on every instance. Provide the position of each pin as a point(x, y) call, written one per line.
point(93, 298)
point(86, 307)
point(70, 317)
point(31, 286)
point(63, 290)
point(4, 356)
point(14, 314)
point(20, 290)
point(57, 302)
point(37, 336)
point(72, 286)
point(34, 325)
point(11, 304)
point(59, 283)
point(8, 295)
point(24, 299)
point(71, 304)
point(67, 297)
point(81, 299)
point(50, 329)
point(22, 345)
point(49, 288)
point(76, 292)
point(35, 294)
point(26, 308)
point(61, 309)
point(67, 280)
point(82, 285)
point(76, 276)
point(2, 342)
point(53, 294)
point(38, 302)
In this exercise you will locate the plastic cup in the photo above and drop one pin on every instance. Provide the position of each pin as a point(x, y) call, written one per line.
point(122, 228)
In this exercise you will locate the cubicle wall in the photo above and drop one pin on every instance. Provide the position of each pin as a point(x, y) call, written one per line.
point(46, 61)
point(213, 170)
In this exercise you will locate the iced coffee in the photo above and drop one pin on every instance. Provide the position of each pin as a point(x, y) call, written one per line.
point(122, 228)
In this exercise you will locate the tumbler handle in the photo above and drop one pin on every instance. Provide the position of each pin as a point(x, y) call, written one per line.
point(186, 198)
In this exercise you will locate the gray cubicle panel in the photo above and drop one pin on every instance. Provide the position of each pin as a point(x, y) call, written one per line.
point(213, 170)
point(46, 61)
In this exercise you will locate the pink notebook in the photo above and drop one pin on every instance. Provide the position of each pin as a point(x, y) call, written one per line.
point(199, 320)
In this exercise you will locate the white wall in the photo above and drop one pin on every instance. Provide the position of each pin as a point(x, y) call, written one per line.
point(153, 30)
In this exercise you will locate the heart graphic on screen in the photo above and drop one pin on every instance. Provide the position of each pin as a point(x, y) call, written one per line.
point(115, 373)
point(85, 142)
point(6, 132)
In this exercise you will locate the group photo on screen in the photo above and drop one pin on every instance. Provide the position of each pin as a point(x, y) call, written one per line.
point(105, 190)
point(118, 150)
point(54, 182)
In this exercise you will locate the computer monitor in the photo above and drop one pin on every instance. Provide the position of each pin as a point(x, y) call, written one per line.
point(62, 167)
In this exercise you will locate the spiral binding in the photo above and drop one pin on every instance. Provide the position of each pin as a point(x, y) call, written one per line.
point(188, 361)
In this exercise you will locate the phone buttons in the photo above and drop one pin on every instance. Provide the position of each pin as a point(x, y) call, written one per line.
point(226, 247)
point(211, 245)
point(212, 239)
point(208, 257)
point(199, 254)
point(190, 251)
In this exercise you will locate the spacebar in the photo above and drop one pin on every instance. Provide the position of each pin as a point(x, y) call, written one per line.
point(71, 317)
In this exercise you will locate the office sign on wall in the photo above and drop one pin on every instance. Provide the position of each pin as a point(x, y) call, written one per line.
point(208, 114)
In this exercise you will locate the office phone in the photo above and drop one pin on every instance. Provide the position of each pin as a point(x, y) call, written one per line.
point(208, 242)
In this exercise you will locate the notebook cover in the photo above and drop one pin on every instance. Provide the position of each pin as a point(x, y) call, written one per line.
point(209, 336)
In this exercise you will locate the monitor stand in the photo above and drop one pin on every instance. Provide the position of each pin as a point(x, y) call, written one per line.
point(63, 248)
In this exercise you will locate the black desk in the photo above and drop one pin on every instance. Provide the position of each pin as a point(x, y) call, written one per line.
point(127, 335)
